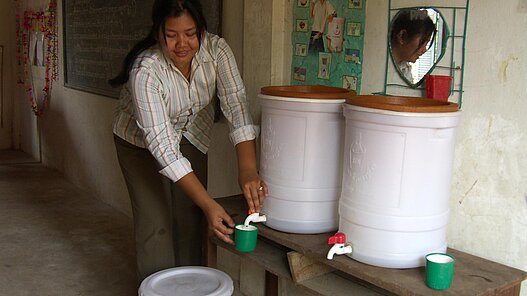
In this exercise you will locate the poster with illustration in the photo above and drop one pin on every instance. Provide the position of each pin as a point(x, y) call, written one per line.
point(335, 34)
point(328, 41)
point(324, 64)
point(349, 82)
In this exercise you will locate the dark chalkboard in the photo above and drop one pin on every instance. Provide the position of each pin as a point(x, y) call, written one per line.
point(99, 33)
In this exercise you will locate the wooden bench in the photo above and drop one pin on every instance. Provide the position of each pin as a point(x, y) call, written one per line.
point(301, 258)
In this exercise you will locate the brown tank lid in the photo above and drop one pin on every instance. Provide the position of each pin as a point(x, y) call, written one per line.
point(403, 104)
point(308, 91)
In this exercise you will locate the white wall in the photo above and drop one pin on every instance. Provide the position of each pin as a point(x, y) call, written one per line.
point(222, 156)
point(248, 30)
point(74, 134)
point(489, 193)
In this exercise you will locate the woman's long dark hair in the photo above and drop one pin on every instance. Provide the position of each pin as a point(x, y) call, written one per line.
point(161, 11)
point(414, 22)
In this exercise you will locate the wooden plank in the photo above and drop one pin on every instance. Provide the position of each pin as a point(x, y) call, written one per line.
point(273, 258)
point(472, 276)
point(335, 285)
point(304, 268)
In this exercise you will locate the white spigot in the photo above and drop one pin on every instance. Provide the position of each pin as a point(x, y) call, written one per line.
point(254, 217)
point(339, 245)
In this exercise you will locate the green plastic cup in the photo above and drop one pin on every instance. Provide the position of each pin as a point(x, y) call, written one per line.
point(245, 237)
point(439, 270)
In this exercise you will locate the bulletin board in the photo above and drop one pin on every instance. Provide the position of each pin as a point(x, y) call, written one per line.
point(99, 33)
point(328, 51)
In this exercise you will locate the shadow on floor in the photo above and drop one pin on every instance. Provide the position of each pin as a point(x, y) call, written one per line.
point(56, 240)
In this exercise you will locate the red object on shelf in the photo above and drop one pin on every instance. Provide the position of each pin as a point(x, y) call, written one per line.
point(438, 87)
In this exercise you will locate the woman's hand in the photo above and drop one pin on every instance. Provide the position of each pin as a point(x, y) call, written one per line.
point(254, 189)
point(219, 222)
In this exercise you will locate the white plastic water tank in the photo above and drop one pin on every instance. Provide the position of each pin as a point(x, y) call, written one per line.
point(397, 169)
point(188, 281)
point(301, 156)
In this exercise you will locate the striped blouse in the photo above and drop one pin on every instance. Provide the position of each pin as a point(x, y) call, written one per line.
point(158, 105)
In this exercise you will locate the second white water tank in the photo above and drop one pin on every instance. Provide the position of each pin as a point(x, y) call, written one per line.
point(397, 170)
point(301, 156)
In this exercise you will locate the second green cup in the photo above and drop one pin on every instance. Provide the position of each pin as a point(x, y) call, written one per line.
point(439, 270)
point(245, 237)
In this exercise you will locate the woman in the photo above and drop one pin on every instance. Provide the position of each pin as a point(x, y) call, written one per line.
point(162, 132)
point(411, 31)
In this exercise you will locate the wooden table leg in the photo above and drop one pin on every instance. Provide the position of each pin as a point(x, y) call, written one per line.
point(211, 254)
point(210, 250)
point(271, 284)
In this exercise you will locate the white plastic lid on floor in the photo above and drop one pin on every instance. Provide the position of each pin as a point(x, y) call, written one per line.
point(188, 281)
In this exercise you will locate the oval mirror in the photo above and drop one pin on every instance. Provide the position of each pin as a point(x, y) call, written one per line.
point(417, 41)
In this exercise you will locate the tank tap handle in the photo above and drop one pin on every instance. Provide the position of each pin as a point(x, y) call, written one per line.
point(339, 245)
point(254, 217)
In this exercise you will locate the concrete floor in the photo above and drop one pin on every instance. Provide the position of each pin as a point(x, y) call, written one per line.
point(56, 240)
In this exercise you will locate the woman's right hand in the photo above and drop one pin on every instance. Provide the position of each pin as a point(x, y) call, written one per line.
point(219, 222)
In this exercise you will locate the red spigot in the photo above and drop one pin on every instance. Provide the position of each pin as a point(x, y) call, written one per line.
point(338, 238)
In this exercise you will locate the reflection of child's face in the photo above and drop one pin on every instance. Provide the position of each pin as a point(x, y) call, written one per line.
point(410, 49)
